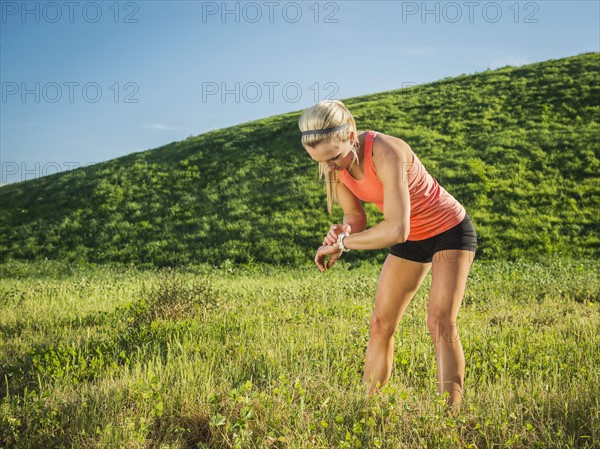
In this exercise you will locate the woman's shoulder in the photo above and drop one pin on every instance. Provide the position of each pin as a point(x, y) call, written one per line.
point(386, 147)
point(362, 135)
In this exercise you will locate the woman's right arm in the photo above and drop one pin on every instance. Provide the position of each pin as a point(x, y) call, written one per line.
point(354, 214)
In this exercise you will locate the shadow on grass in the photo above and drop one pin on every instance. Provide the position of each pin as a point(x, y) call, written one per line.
point(192, 428)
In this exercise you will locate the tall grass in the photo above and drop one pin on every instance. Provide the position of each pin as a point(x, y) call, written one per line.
point(269, 357)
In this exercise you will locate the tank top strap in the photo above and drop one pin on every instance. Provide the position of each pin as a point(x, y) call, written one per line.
point(369, 175)
point(368, 156)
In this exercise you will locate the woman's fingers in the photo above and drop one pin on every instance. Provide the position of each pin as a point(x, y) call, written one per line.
point(331, 237)
point(325, 250)
point(332, 259)
point(332, 234)
point(319, 262)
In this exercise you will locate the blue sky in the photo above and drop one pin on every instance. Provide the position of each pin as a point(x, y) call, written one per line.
point(84, 82)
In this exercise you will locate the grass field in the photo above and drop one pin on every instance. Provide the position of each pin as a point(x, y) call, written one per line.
point(269, 357)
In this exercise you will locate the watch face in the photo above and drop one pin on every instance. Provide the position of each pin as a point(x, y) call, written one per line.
point(341, 241)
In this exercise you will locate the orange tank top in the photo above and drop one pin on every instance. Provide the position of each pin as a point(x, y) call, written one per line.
point(432, 209)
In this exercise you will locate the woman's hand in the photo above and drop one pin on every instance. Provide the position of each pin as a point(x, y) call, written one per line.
point(332, 251)
point(334, 231)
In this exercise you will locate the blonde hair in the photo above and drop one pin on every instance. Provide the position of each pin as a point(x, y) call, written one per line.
point(322, 115)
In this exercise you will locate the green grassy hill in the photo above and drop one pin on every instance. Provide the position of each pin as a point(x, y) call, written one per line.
point(518, 147)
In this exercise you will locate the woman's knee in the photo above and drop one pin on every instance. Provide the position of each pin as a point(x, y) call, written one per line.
point(442, 327)
point(382, 327)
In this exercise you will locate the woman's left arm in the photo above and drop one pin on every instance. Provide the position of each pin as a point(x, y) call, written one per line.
point(391, 161)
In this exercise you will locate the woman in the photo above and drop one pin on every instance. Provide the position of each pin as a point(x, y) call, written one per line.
point(424, 227)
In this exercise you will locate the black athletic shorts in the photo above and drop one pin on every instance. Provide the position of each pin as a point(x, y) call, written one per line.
point(461, 236)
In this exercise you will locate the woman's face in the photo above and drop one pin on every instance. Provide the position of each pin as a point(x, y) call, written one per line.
point(334, 156)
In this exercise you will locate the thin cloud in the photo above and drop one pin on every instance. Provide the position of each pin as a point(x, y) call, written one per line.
point(418, 51)
point(17, 124)
point(163, 127)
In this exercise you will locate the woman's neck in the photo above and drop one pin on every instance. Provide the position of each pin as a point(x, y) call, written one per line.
point(357, 171)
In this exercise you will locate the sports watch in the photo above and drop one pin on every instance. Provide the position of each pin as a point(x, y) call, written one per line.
point(340, 242)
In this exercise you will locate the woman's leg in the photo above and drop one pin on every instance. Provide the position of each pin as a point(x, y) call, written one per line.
point(449, 272)
point(398, 282)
